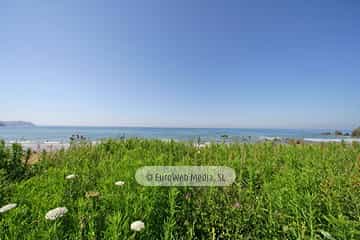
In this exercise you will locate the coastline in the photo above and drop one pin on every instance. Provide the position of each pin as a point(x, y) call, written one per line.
point(49, 146)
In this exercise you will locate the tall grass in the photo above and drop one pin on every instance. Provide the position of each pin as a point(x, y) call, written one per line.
point(281, 192)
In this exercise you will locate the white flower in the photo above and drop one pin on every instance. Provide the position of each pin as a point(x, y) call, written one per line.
point(119, 183)
point(7, 207)
point(56, 213)
point(137, 226)
point(71, 176)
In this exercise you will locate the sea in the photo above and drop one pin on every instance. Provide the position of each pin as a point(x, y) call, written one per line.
point(62, 134)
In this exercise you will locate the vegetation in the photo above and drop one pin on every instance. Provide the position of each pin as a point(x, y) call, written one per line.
point(338, 133)
point(356, 132)
point(282, 191)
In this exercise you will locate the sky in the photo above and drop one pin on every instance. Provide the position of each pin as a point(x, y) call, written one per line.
point(268, 64)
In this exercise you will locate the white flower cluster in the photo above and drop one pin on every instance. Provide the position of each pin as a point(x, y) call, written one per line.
point(56, 213)
point(71, 176)
point(137, 226)
point(7, 207)
point(119, 183)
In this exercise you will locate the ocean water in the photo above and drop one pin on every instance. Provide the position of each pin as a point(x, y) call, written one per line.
point(63, 134)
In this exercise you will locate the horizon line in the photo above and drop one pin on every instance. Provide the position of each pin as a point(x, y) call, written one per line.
point(188, 127)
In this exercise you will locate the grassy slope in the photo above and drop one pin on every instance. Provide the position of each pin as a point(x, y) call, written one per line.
point(281, 191)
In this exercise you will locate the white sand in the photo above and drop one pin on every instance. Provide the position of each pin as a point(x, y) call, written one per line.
point(40, 146)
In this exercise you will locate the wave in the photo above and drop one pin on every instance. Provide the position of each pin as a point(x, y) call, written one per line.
point(332, 139)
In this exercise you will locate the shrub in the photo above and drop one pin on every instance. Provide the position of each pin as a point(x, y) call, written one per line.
point(356, 132)
point(11, 161)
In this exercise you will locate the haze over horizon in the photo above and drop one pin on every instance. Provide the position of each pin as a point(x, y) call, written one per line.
point(184, 126)
point(254, 64)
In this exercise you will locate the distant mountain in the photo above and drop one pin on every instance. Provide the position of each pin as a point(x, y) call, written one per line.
point(16, 124)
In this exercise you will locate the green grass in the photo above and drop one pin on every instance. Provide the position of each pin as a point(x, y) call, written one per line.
point(281, 192)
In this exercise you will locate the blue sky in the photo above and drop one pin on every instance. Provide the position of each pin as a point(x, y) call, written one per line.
point(282, 64)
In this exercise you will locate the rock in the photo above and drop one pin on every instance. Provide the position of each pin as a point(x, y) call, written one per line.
point(338, 133)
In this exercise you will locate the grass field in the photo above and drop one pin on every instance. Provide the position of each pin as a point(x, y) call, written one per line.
point(298, 191)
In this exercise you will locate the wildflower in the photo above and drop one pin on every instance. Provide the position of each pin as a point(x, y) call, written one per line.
point(92, 194)
point(56, 213)
point(236, 205)
point(325, 234)
point(119, 183)
point(137, 226)
point(7, 207)
point(71, 176)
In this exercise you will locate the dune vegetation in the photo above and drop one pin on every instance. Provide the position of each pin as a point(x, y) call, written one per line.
point(282, 191)
point(356, 132)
